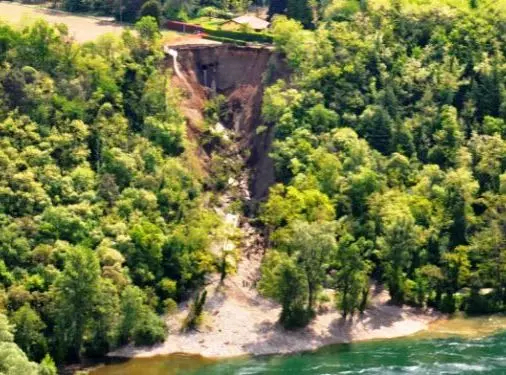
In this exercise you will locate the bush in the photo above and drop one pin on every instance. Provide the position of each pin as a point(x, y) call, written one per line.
point(167, 135)
point(477, 303)
point(238, 36)
point(149, 330)
point(214, 12)
point(47, 366)
point(227, 40)
point(295, 317)
point(169, 306)
point(448, 305)
point(151, 8)
point(194, 317)
point(167, 288)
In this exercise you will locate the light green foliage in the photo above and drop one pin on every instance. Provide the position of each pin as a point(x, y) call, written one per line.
point(295, 276)
point(147, 27)
point(286, 205)
point(12, 359)
point(47, 366)
point(97, 194)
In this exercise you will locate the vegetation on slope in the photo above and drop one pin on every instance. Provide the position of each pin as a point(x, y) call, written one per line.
point(390, 140)
point(102, 223)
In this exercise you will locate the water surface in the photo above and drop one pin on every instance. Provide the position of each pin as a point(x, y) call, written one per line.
point(457, 346)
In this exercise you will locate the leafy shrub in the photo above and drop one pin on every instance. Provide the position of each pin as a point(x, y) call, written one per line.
point(169, 306)
point(240, 36)
point(149, 330)
point(151, 8)
point(167, 135)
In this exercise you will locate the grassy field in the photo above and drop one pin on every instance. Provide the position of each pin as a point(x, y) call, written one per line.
point(81, 28)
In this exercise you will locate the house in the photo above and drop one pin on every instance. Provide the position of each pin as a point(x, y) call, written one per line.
point(252, 22)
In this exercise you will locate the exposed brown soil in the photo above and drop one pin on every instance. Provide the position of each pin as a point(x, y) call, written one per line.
point(238, 73)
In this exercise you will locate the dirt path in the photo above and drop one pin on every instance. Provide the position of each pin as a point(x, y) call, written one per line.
point(81, 28)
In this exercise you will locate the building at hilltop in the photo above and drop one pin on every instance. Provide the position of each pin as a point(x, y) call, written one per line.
point(252, 22)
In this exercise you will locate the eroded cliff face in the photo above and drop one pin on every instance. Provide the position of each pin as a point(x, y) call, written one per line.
point(241, 75)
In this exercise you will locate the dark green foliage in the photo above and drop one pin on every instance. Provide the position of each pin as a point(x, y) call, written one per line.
point(300, 10)
point(277, 7)
point(128, 10)
point(28, 334)
point(74, 5)
point(397, 118)
point(294, 313)
point(197, 307)
point(151, 8)
point(139, 324)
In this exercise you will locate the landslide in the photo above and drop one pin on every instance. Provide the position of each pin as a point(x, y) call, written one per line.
point(240, 74)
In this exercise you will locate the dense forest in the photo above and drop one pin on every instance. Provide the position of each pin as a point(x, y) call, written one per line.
point(390, 155)
point(390, 158)
point(103, 222)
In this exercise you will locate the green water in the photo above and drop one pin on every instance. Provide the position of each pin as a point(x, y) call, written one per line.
point(426, 354)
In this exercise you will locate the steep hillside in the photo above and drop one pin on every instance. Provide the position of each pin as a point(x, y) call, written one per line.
point(240, 74)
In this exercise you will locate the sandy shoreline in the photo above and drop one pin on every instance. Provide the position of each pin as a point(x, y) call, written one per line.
point(240, 325)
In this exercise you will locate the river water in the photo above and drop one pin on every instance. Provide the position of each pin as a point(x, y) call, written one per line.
point(457, 346)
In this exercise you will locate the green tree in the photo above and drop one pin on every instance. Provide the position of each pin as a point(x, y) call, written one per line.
point(312, 244)
point(147, 27)
point(12, 359)
point(75, 293)
point(352, 277)
point(448, 138)
point(47, 366)
point(300, 10)
point(376, 126)
point(151, 8)
point(398, 244)
point(28, 334)
point(283, 281)
point(138, 323)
